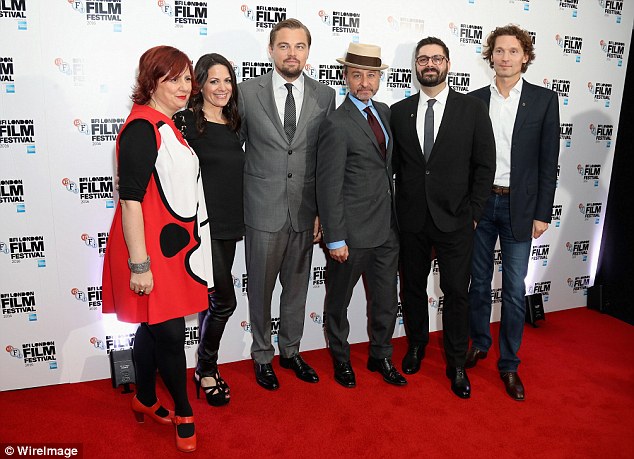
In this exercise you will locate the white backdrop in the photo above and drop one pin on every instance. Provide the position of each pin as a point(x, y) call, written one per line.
point(66, 72)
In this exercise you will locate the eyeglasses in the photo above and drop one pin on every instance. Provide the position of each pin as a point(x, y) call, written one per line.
point(436, 60)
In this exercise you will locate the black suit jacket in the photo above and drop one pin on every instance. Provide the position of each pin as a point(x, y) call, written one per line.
point(354, 182)
point(457, 181)
point(534, 156)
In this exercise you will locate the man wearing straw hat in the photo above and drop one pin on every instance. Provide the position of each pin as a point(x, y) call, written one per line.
point(356, 207)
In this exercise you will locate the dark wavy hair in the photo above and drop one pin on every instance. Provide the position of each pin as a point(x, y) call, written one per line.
point(514, 31)
point(156, 65)
point(230, 111)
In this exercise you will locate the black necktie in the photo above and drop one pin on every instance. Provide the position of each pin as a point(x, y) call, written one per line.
point(378, 132)
point(290, 113)
point(428, 141)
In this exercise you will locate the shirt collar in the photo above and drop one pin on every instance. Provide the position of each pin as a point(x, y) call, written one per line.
point(279, 82)
point(357, 103)
point(441, 97)
point(515, 91)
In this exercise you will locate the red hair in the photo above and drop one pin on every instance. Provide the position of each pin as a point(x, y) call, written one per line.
point(159, 64)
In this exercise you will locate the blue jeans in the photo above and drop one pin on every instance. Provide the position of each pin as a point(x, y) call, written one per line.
point(496, 221)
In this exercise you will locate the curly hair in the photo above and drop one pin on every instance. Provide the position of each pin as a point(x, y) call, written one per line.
point(196, 102)
point(156, 65)
point(514, 31)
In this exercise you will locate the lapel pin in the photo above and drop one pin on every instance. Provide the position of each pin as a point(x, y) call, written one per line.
point(411, 115)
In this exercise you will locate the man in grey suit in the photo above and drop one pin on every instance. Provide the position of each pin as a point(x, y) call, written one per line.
point(355, 201)
point(281, 113)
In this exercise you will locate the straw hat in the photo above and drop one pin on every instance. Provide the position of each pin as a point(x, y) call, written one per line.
point(367, 57)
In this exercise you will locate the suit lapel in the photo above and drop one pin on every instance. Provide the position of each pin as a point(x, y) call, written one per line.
point(412, 109)
point(308, 105)
point(526, 100)
point(265, 96)
point(360, 121)
point(386, 125)
point(445, 129)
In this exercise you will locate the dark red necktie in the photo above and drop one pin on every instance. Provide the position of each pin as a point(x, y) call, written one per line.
point(378, 132)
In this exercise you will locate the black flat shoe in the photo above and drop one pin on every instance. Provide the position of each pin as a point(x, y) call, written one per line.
point(460, 384)
point(265, 376)
point(344, 374)
point(387, 369)
point(411, 361)
point(302, 370)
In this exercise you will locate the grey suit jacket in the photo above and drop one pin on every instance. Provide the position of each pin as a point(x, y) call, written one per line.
point(279, 178)
point(354, 182)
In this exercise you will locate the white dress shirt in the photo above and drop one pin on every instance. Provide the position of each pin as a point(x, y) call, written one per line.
point(502, 112)
point(280, 92)
point(439, 110)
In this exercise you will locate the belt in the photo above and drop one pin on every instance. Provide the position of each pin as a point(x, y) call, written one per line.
point(501, 190)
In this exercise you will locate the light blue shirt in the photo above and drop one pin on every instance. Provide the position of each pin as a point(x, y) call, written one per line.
point(361, 106)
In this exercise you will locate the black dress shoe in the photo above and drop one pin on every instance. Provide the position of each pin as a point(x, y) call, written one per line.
point(411, 361)
point(344, 374)
point(513, 385)
point(387, 369)
point(460, 384)
point(302, 370)
point(473, 355)
point(265, 376)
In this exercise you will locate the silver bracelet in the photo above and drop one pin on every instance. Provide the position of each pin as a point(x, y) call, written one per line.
point(139, 268)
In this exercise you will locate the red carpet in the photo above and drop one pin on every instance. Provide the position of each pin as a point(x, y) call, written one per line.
point(577, 368)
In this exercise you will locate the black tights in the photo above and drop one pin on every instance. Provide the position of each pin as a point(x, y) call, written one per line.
point(162, 346)
point(222, 303)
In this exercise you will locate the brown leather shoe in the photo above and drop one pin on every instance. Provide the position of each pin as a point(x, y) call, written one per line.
point(473, 355)
point(513, 385)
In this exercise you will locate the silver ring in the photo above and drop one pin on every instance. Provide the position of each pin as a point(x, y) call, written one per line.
point(141, 292)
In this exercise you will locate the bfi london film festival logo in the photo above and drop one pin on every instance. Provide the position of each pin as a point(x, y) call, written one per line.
point(540, 253)
point(14, 9)
point(7, 74)
point(542, 288)
point(590, 173)
point(92, 189)
point(186, 13)
point(74, 68)
point(561, 87)
point(100, 129)
point(23, 248)
point(570, 45)
point(556, 215)
point(330, 75)
point(459, 81)
point(240, 283)
point(467, 34)
point(602, 133)
point(569, 5)
point(565, 133)
point(319, 276)
point(19, 303)
point(12, 193)
point(99, 12)
point(192, 336)
point(264, 17)
point(275, 328)
point(111, 343)
point(342, 22)
point(21, 132)
point(436, 304)
point(99, 243)
point(591, 210)
point(579, 284)
point(252, 69)
point(405, 25)
point(35, 353)
point(399, 79)
point(497, 260)
point(319, 319)
point(613, 51)
point(578, 249)
point(612, 8)
point(601, 92)
point(91, 296)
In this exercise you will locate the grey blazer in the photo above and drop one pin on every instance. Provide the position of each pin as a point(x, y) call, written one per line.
point(279, 178)
point(354, 182)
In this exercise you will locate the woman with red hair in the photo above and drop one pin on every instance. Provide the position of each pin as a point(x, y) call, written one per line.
point(158, 260)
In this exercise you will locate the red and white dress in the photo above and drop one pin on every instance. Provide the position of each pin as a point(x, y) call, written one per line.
point(176, 225)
